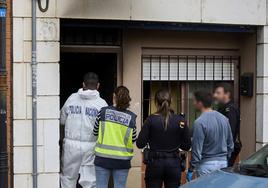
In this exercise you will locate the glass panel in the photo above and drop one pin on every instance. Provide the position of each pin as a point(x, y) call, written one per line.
point(209, 69)
point(155, 68)
point(201, 69)
point(146, 70)
point(218, 69)
point(192, 69)
point(183, 68)
point(164, 68)
point(149, 91)
point(173, 71)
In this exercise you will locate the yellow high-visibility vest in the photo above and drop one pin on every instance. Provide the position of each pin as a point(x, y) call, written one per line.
point(115, 134)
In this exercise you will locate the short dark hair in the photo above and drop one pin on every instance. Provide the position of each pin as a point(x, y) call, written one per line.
point(204, 97)
point(91, 80)
point(227, 88)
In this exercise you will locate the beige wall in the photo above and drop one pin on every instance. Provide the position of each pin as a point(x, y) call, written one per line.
point(251, 12)
point(248, 105)
point(134, 42)
point(132, 79)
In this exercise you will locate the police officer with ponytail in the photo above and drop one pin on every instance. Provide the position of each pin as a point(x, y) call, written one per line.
point(164, 133)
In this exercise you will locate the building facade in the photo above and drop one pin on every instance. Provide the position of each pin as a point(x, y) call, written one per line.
point(182, 45)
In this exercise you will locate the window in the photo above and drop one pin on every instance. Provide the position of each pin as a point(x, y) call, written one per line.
point(185, 68)
point(182, 75)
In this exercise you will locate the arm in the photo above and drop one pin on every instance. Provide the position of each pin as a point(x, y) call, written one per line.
point(97, 125)
point(63, 118)
point(197, 144)
point(64, 111)
point(134, 134)
point(143, 137)
point(186, 139)
point(230, 143)
point(233, 118)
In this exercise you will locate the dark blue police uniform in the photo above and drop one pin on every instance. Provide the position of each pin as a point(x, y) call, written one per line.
point(164, 166)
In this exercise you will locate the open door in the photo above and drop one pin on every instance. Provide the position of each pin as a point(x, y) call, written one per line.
point(73, 66)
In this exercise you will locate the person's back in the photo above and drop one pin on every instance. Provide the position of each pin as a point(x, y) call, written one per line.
point(212, 140)
point(79, 115)
point(165, 133)
point(115, 128)
point(216, 131)
point(176, 136)
point(223, 95)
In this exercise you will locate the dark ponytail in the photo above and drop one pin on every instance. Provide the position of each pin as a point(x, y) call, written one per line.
point(163, 102)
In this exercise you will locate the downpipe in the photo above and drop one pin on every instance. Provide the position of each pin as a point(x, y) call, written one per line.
point(34, 96)
point(34, 87)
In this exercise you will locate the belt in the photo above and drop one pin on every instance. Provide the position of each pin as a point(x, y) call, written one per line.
point(164, 155)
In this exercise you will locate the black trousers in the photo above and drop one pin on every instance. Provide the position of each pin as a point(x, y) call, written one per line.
point(163, 171)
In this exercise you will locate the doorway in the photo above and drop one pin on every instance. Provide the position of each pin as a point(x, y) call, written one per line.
point(73, 66)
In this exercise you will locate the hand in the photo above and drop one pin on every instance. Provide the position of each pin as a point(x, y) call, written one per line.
point(189, 176)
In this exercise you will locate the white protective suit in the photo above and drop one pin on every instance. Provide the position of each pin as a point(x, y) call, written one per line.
point(79, 115)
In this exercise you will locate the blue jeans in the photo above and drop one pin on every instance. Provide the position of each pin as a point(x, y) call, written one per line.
point(209, 167)
point(103, 175)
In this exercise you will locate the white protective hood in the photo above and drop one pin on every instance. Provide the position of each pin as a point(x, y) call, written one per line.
point(88, 94)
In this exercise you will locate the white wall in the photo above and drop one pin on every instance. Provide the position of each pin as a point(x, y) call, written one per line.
point(262, 87)
point(252, 12)
point(48, 96)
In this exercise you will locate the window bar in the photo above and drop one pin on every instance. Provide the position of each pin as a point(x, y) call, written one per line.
point(187, 67)
point(178, 83)
point(178, 98)
point(222, 68)
point(150, 67)
point(150, 104)
point(160, 67)
point(178, 73)
point(231, 67)
point(204, 67)
point(195, 67)
point(168, 67)
point(213, 67)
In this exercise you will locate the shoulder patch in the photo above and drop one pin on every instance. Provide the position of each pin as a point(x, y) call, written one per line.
point(182, 124)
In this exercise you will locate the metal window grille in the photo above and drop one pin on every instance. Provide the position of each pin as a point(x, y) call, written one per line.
point(188, 68)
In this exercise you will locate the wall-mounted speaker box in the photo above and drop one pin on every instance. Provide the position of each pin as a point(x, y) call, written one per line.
point(247, 84)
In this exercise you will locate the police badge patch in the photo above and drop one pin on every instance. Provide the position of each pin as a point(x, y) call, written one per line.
point(182, 124)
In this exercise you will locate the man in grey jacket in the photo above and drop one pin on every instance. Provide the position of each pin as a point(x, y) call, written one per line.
point(212, 142)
